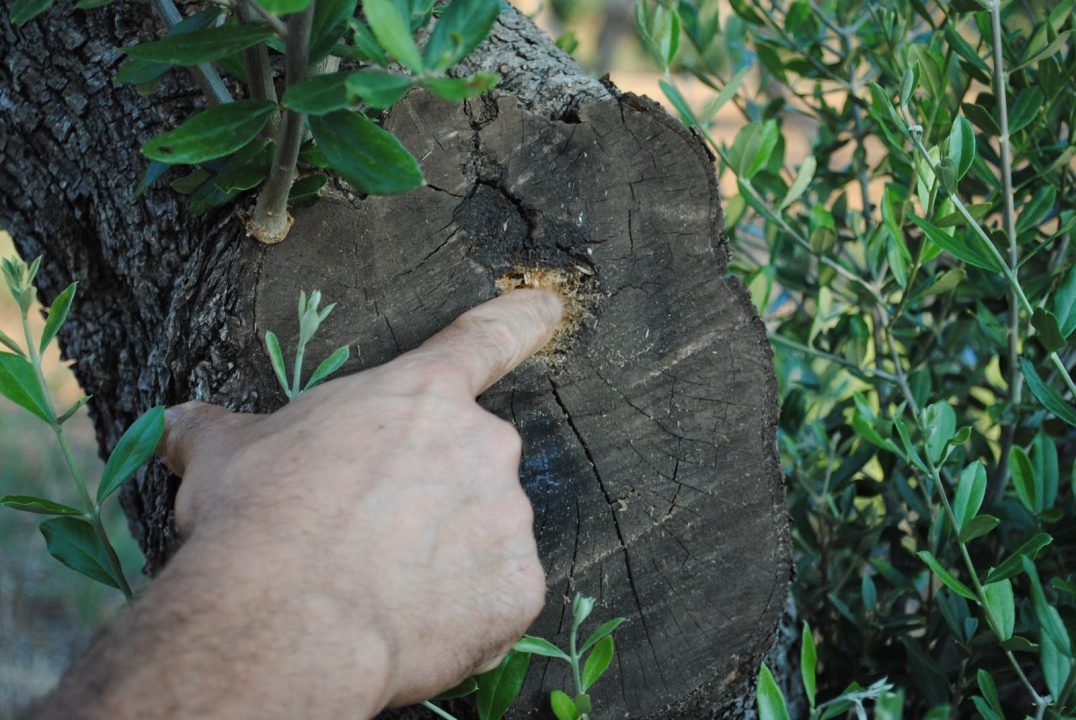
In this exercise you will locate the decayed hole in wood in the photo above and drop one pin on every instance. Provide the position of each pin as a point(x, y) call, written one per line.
point(574, 284)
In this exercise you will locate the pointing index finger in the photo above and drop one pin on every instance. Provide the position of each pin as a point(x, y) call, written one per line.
point(489, 341)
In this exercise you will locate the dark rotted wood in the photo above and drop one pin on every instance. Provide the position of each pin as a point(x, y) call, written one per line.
point(649, 448)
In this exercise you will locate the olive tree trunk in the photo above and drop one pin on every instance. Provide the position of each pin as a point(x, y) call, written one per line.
point(649, 436)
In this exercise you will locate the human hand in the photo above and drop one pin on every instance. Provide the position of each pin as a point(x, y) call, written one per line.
point(371, 533)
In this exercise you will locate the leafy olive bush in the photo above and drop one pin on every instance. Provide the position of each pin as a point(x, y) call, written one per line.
point(916, 274)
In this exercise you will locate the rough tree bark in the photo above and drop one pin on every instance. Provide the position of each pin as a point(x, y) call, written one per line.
point(649, 438)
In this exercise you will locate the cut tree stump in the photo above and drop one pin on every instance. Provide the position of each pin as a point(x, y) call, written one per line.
point(649, 434)
point(649, 439)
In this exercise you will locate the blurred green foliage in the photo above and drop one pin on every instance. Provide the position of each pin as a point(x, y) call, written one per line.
point(46, 617)
point(903, 216)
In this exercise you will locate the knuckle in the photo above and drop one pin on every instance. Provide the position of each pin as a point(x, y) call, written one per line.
point(505, 439)
point(532, 590)
point(513, 522)
point(521, 512)
point(416, 370)
point(510, 523)
point(497, 338)
point(423, 373)
point(536, 597)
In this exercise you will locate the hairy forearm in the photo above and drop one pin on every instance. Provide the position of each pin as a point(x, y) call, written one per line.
point(208, 642)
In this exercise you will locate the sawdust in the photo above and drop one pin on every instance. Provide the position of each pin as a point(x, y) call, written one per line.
point(571, 283)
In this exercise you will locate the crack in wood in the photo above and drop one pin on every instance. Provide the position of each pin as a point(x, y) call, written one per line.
point(616, 525)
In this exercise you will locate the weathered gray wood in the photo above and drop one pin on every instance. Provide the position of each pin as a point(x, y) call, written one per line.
point(649, 448)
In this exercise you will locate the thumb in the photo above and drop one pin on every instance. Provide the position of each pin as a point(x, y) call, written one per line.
point(189, 430)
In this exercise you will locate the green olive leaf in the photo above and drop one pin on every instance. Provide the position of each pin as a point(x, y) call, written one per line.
point(945, 576)
point(598, 662)
point(365, 155)
point(376, 88)
point(200, 46)
point(214, 132)
point(19, 384)
point(284, 7)
point(463, 88)
point(133, 450)
point(73, 542)
point(962, 146)
point(23, 11)
point(38, 505)
point(390, 22)
point(540, 646)
point(319, 95)
point(1050, 398)
point(57, 315)
point(769, 698)
point(462, 25)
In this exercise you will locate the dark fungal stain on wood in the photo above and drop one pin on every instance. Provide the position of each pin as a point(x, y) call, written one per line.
point(649, 445)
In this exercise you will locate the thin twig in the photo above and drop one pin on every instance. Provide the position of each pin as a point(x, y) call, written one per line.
point(774, 216)
point(859, 157)
point(902, 378)
point(93, 510)
point(271, 221)
point(438, 711)
point(256, 59)
point(825, 19)
point(802, 241)
point(865, 370)
point(768, 16)
point(864, 180)
point(267, 17)
point(1016, 379)
point(205, 75)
